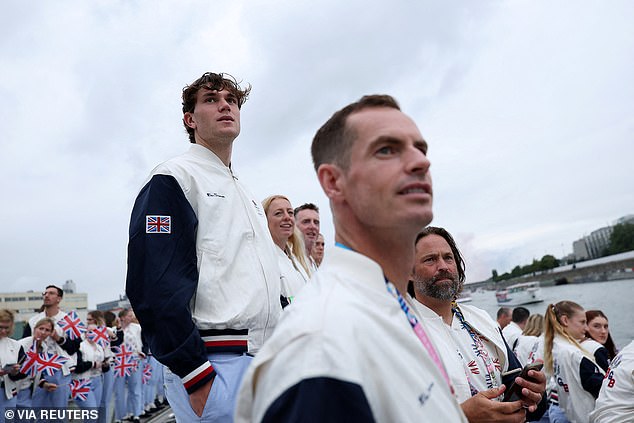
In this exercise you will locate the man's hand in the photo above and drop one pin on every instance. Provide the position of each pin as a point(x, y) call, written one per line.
point(198, 399)
point(481, 408)
point(532, 389)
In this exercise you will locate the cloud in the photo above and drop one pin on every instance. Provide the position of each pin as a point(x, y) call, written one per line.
point(525, 106)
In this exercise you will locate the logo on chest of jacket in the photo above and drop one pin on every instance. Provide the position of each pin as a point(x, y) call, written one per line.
point(258, 209)
point(215, 194)
point(422, 398)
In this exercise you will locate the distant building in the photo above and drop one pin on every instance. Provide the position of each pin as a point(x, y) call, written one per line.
point(594, 245)
point(69, 286)
point(579, 250)
point(119, 304)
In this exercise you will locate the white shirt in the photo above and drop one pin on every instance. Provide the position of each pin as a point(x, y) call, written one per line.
point(511, 332)
point(344, 326)
point(616, 398)
point(292, 279)
point(576, 402)
point(529, 349)
point(457, 350)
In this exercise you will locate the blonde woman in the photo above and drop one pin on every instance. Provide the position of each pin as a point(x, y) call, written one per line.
point(530, 344)
point(577, 376)
point(293, 263)
point(10, 354)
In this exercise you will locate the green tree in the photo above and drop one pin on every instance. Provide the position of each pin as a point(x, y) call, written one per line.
point(622, 238)
point(494, 274)
point(548, 262)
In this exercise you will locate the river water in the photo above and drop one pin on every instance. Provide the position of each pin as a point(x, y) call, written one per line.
point(614, 298)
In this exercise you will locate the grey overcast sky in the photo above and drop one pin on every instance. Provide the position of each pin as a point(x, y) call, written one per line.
point(527, 107)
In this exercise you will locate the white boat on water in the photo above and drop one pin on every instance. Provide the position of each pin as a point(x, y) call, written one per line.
point(518, 294)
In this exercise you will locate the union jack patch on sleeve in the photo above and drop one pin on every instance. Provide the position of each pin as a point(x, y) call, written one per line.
point(158, 224)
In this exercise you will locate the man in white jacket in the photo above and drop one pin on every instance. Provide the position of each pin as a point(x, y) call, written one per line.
point(203, 277)
point(513, 330)
point(472, 347)
point(349, 347)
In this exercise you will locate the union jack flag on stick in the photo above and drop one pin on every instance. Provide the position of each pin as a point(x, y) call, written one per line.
point(50, 363)
point(147, 373)
point(79, 389)
point(99, 335)
point(29, 365)
point(124, 362)
point(123, 351)
point(72, 325)
point(123, 366)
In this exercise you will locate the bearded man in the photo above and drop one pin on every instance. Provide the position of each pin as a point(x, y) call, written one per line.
point(471, 345)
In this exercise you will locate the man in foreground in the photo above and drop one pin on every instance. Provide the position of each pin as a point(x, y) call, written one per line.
point(202, 276)
point(472, 347)
point(348, 349)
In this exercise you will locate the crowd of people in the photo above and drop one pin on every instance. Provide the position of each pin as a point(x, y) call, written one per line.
point(98, 364)
point(251, 319)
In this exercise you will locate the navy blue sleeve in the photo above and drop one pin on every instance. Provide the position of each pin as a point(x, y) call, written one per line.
point(119, 340)
point(514, 363)
point(71, 346)
point(320, 400)
point(82, 366)
point(601, 357)
point(162, 276)
point(21, 357)
point(591, 378)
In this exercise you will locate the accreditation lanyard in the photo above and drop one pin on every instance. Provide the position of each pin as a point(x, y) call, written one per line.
point(415, 324)
point(419, 331)
point(481, 350)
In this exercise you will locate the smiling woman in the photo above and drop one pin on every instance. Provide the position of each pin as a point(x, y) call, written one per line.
point(293, 263)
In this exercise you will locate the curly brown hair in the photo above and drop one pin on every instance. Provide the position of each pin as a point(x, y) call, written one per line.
point(213, 82)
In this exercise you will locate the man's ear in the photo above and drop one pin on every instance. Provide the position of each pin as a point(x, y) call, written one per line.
point(330, 177)
point(188, 118)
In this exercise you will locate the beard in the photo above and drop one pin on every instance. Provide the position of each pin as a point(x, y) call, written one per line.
point(443, 292)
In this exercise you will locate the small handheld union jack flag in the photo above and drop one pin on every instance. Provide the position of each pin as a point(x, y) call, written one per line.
point(158, 224)
point(147, 373)
point(29, 365)
point(72, 325)
point(124, 362)
point(123, 351)
point(99, 335)
point(50, 363)
point(79, 389)
point(123, 366)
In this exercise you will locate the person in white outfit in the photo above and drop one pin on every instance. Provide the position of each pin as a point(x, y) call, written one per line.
point(513, 330)
point(294, 265)
point(128, 390)
point(90, 358)
point(573, 368)
point(472, 347)
point(350, 348)
point(43, 329)
point(599, 330)
point(10, 354)
point(530, 344)
point(615, 403)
